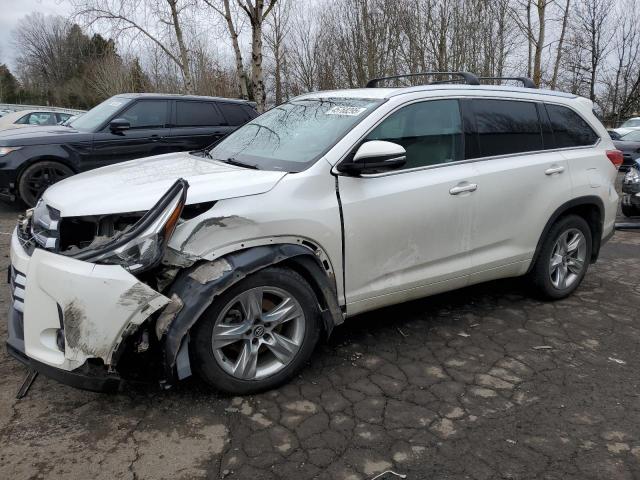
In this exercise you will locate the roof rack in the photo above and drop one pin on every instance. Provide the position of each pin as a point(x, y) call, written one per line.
point(468, 78)
point(526, 81)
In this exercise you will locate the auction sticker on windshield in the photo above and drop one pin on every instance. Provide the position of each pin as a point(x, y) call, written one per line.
point(344, 110)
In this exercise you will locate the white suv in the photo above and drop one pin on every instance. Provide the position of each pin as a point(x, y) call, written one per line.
point(233, 262)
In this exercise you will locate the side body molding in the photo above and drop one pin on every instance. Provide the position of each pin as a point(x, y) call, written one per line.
point(196, 288)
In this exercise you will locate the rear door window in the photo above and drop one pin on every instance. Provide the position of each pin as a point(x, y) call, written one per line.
point(507, 127)
point(198, 114)
point(234, 113)
point(569, 128)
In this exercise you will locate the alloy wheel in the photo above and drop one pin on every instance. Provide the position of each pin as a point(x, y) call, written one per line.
point(568, 258)
point(258, 333)
point(39, 179)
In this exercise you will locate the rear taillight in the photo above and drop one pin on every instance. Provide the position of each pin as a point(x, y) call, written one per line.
point(616, 157)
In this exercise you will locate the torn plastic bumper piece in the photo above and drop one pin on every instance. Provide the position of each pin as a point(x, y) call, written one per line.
point(87, 377)
point(196, 288)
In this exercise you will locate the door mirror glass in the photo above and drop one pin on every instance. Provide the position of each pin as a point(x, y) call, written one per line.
point(119, 125)
point(374, 157)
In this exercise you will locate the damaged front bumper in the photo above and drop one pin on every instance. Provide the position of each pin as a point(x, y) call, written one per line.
point(69, 317)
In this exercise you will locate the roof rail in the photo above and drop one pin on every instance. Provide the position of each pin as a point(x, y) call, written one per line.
point(469, 78)
point(526, 81)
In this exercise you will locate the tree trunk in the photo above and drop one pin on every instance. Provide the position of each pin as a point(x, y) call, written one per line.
point(556, 67)
point(257, 76)
point(184, 54)
point(537, 70)
point(529, 39)
point(240, 72)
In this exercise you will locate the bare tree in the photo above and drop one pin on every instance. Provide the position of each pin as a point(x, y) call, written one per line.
point(257, 11)
point(592, 35)
point(563, 31)
point(275, 37)
point(159, 21)
point(223, 8)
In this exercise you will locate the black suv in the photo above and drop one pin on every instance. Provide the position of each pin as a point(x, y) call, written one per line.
point(121, 128)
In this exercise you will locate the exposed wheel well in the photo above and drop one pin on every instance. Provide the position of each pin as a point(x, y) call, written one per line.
point(322, 286)
point(589, 208)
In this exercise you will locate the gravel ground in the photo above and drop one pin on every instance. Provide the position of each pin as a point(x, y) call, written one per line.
point(480, 383)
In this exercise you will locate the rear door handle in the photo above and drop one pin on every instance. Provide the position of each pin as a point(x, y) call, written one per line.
point(156, 138)
point(462, 188)
point(554, 170)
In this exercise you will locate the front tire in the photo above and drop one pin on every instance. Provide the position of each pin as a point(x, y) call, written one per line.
point(563, 259)
point(38, 177)
point(257, 334)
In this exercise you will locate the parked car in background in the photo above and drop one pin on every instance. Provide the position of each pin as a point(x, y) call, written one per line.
point(25, 118)
point(631, 191)
point(629, 145)
point(232, 263)
point(628, 126)
point(4, 112)
point(121, 128)
point(70, 119)
point(614, 135)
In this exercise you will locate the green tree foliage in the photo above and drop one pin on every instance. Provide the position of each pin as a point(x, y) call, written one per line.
point(61, 65)
point(8, 85)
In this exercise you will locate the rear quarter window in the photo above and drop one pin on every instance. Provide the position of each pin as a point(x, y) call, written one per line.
point(235, 113)
point(569, 128)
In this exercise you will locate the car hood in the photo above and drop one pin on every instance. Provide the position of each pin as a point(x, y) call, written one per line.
point(53, 134)
point(137, 185)
point(625, 130)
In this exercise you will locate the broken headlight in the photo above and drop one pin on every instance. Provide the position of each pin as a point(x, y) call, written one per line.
point(142, 246)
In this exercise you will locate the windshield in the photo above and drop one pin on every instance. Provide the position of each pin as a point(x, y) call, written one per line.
point(631, 137)
point(634, 122)
point(94, 118)
point(294, 135)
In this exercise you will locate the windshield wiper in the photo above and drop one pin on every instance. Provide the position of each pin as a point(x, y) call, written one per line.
point(237, 163)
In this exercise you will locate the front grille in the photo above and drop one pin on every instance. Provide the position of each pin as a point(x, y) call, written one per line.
point(18, 283)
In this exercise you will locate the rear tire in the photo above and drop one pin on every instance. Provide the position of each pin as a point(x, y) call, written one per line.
point(258, 334)
point(563, 259)
point(630, 210)
point(38, 177)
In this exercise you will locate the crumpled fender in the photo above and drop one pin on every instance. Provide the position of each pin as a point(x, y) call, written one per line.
point(195, 289)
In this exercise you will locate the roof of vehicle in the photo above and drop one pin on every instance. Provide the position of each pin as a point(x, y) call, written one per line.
point(385, 93)
point(177, 96)
point(17, 115)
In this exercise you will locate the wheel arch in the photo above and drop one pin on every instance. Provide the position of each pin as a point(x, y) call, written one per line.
point(591, 208)
point(45, 158)
point(196, 288)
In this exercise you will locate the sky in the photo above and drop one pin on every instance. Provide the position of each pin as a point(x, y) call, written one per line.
point(13, 10)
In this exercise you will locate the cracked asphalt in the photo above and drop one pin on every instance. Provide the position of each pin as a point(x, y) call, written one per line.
point(480, 383)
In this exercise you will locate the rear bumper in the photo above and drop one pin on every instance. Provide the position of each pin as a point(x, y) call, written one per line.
point(86, 377)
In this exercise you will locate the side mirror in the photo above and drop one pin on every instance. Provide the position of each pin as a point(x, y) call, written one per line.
point(374, 157)
point(119, 125)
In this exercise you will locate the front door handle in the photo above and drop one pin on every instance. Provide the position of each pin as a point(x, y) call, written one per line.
point(463, 187)
point(156, 138)
point(553, 170)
